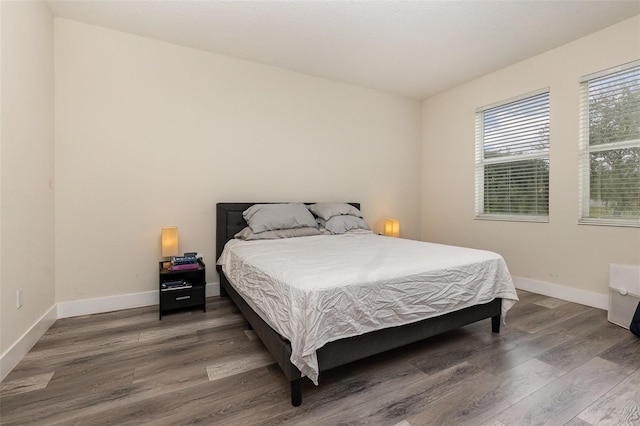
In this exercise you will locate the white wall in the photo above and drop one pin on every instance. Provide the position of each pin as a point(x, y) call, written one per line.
point(559, 252)
point(27, 167)
point(150, 134)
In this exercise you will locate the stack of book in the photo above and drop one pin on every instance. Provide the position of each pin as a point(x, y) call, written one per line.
point(183, 263)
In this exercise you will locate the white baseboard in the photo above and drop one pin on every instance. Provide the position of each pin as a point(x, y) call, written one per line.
point(106, 304)
point(23, 345)
point(213, 289)
point(118, 302)
point(583, 297)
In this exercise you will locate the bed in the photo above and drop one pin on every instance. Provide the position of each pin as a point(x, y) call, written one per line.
point(309, 355)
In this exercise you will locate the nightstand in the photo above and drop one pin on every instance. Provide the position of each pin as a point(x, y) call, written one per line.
point(187, 295)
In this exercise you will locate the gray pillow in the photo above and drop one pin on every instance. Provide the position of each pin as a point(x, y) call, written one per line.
point(343, 223)
point(328, 210)
point(267, 217)
point(248, 234)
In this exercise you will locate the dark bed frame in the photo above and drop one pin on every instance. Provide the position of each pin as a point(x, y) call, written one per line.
point(343, 351)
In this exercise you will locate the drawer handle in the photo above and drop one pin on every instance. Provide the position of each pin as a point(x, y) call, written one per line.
point(183, 297)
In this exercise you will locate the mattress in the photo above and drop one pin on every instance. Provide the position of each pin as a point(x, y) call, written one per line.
point(314, 290)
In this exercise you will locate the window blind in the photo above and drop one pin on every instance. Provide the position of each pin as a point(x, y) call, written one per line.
point(610, 147)
point(512, 159)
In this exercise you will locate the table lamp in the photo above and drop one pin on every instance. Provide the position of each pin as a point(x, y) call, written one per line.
point(169, 242)
point(392, 228)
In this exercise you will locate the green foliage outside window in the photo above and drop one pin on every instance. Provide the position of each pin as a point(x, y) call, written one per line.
point(517, 188)
point(614, 117)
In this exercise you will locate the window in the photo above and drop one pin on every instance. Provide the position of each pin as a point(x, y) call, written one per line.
point(610, 147)
point(512, 159)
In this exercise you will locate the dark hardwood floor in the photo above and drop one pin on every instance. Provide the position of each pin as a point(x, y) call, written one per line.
point(554, 363)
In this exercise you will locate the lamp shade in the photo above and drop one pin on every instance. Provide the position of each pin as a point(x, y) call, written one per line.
point(170, 241)
point(392, 228)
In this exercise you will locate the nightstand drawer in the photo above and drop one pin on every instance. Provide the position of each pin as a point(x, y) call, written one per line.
point(182, 298)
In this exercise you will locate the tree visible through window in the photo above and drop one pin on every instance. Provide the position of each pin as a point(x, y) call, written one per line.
point(610, 147)
point(512, 159)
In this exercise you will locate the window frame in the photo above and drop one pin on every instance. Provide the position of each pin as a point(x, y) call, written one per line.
point(585, 150)
point(481, 162)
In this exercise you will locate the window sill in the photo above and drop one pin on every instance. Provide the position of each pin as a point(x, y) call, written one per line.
point(509, 218)
point(609, 222)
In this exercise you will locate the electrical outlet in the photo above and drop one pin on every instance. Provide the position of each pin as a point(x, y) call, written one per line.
point(19, 298)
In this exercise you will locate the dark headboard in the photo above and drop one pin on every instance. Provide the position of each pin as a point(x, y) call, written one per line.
point(229, 221)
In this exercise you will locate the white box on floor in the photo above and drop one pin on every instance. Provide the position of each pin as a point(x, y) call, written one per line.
point(624, 293)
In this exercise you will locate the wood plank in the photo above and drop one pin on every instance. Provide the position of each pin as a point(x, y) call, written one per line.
point(527, 297)
point(191, 326)
point(619, 406)
point(401, 402)
point(228, 366)
point(447, 350)
point(625, 353)
point(180, 406)
point(369, 376)
point(26, 384)
point(61, 401)
point(487, 396)
point(515, 348)
point(551, 303)
point(577, 422)
point(493, 422)
point(564, 398)
point(543, 318)
point(358, 395)
point(204, 409)
point(576, 351)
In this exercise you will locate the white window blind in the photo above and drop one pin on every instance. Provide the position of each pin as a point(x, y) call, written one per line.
point(610, 147)
point(512, 159)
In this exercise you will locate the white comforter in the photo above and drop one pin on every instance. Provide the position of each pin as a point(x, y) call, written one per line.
point(314, 290)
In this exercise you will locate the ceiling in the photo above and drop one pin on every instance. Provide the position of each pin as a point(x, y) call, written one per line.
point(411, 48)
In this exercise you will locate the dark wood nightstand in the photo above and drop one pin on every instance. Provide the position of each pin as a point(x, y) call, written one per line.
point(191, 293)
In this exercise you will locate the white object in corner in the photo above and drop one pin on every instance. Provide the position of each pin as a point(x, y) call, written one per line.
point(624, 293)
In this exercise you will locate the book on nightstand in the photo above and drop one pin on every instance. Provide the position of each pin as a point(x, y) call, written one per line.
point(184, 266)
point(187, 259)
point(185, 263)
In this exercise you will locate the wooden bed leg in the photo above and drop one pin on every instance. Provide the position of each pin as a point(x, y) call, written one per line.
point(296, 392)
point(495, 324)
